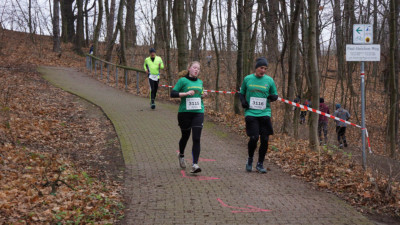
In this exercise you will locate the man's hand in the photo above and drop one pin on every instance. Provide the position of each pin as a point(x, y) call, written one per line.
point(272, 98)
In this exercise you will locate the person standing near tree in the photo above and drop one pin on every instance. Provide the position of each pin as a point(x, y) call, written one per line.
point(323, 121)
point(191, 112)
point(341, 126)
point(152, 66)
point(256, 93)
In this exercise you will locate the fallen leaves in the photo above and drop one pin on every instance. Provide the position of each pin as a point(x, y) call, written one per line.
point(50, 150)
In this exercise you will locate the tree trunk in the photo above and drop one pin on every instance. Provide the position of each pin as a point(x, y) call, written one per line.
point(56, 26)
point(79, 28)
point(30, 20)
point(130, 24)
point(216, 54)
point(180, 33)
point(313, 135)
point(111, 35)
point(197, 37)
point(68, 18)
point(271, 26)
point(293, 48)
point(120, 27)
point(393, 87)
point(243, 37)
point(97, 29)
point(87, 23)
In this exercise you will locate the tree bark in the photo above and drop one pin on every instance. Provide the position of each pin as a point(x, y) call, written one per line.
point(79, 28)
point(130, 24)
point(243, 37)
point(97, 29)
point(393, 87)
point(180, 33)
point(56, 26)
point(68, 19)
point(216, 54)
point(313, 69)
point(293, 48)
point(197, 37)
point(111, 34)
point(120, 27)
point(271, 25)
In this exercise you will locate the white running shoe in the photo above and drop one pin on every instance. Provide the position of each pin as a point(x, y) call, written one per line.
point(181, 162)
point(195, 169)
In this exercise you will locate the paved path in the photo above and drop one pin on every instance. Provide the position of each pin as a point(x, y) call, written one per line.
point(159, 192)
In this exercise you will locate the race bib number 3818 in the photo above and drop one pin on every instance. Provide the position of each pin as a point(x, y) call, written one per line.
point(193, 103)
point(258, 103)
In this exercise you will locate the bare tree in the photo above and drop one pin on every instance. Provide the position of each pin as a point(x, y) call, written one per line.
point(111, 34)
point(271, 11)
point(56, 26)
point(394, 81)
point(243, 62)
point(293, 49)
point(130, 24)
point(180, 31)
point(216, 53)
point(313, 70)
point(197, 37)
point(98, 27)
point(79, 28)
point(121, 29)
point(68, 19)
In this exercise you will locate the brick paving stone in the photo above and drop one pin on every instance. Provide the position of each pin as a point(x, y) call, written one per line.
point(157, 193)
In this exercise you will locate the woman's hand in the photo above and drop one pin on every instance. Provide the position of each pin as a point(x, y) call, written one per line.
point(190, 93)
point(204, 94)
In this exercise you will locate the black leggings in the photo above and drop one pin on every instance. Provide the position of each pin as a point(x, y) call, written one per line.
point(153, 89)
point(190, 122)
point(258, 128)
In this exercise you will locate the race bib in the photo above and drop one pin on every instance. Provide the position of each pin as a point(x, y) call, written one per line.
point(258, 103)
point(153, 77)
point(193, 103)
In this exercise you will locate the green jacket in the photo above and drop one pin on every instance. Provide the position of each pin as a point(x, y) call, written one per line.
point(257, 89)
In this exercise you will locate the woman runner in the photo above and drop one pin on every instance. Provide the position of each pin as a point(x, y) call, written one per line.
point(191, 112)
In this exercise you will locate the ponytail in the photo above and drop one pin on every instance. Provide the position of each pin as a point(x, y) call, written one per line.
point(183, 73)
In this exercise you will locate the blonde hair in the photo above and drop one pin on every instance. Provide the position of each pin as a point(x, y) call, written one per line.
point(186, 72)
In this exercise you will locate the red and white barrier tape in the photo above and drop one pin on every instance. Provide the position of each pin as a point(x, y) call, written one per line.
point(327, 115)
point(212, 91)
point(302, 107)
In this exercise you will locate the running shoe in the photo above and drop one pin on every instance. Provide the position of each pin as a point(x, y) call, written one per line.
point(181, 161)
point(153, 106)
point(195, 169)
point(260, 168)
point(249, 165)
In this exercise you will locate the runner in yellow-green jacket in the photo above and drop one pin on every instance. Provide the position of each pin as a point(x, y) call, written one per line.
point(152, 66)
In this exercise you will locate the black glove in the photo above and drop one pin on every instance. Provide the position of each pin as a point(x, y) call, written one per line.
point(242, 98)
point(245, 104)
point(272, 98)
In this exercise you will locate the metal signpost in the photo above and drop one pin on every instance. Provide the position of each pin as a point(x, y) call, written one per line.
point(363, 51)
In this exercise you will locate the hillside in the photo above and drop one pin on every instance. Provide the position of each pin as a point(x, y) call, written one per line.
point(42, 124)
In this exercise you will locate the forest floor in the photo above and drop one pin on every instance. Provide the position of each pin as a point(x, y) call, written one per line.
point(52, 138)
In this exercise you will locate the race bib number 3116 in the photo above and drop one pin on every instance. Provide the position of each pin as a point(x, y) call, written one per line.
point(193, 103)
point(258, 103)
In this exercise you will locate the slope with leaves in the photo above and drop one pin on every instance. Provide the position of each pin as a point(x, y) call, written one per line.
point(52, 149)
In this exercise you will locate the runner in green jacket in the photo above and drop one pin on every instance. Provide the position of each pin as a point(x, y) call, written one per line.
point(256, 93)
point(152, 66)
point(191, 112)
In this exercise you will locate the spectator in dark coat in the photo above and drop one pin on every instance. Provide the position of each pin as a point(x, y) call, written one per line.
point(323, 121)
